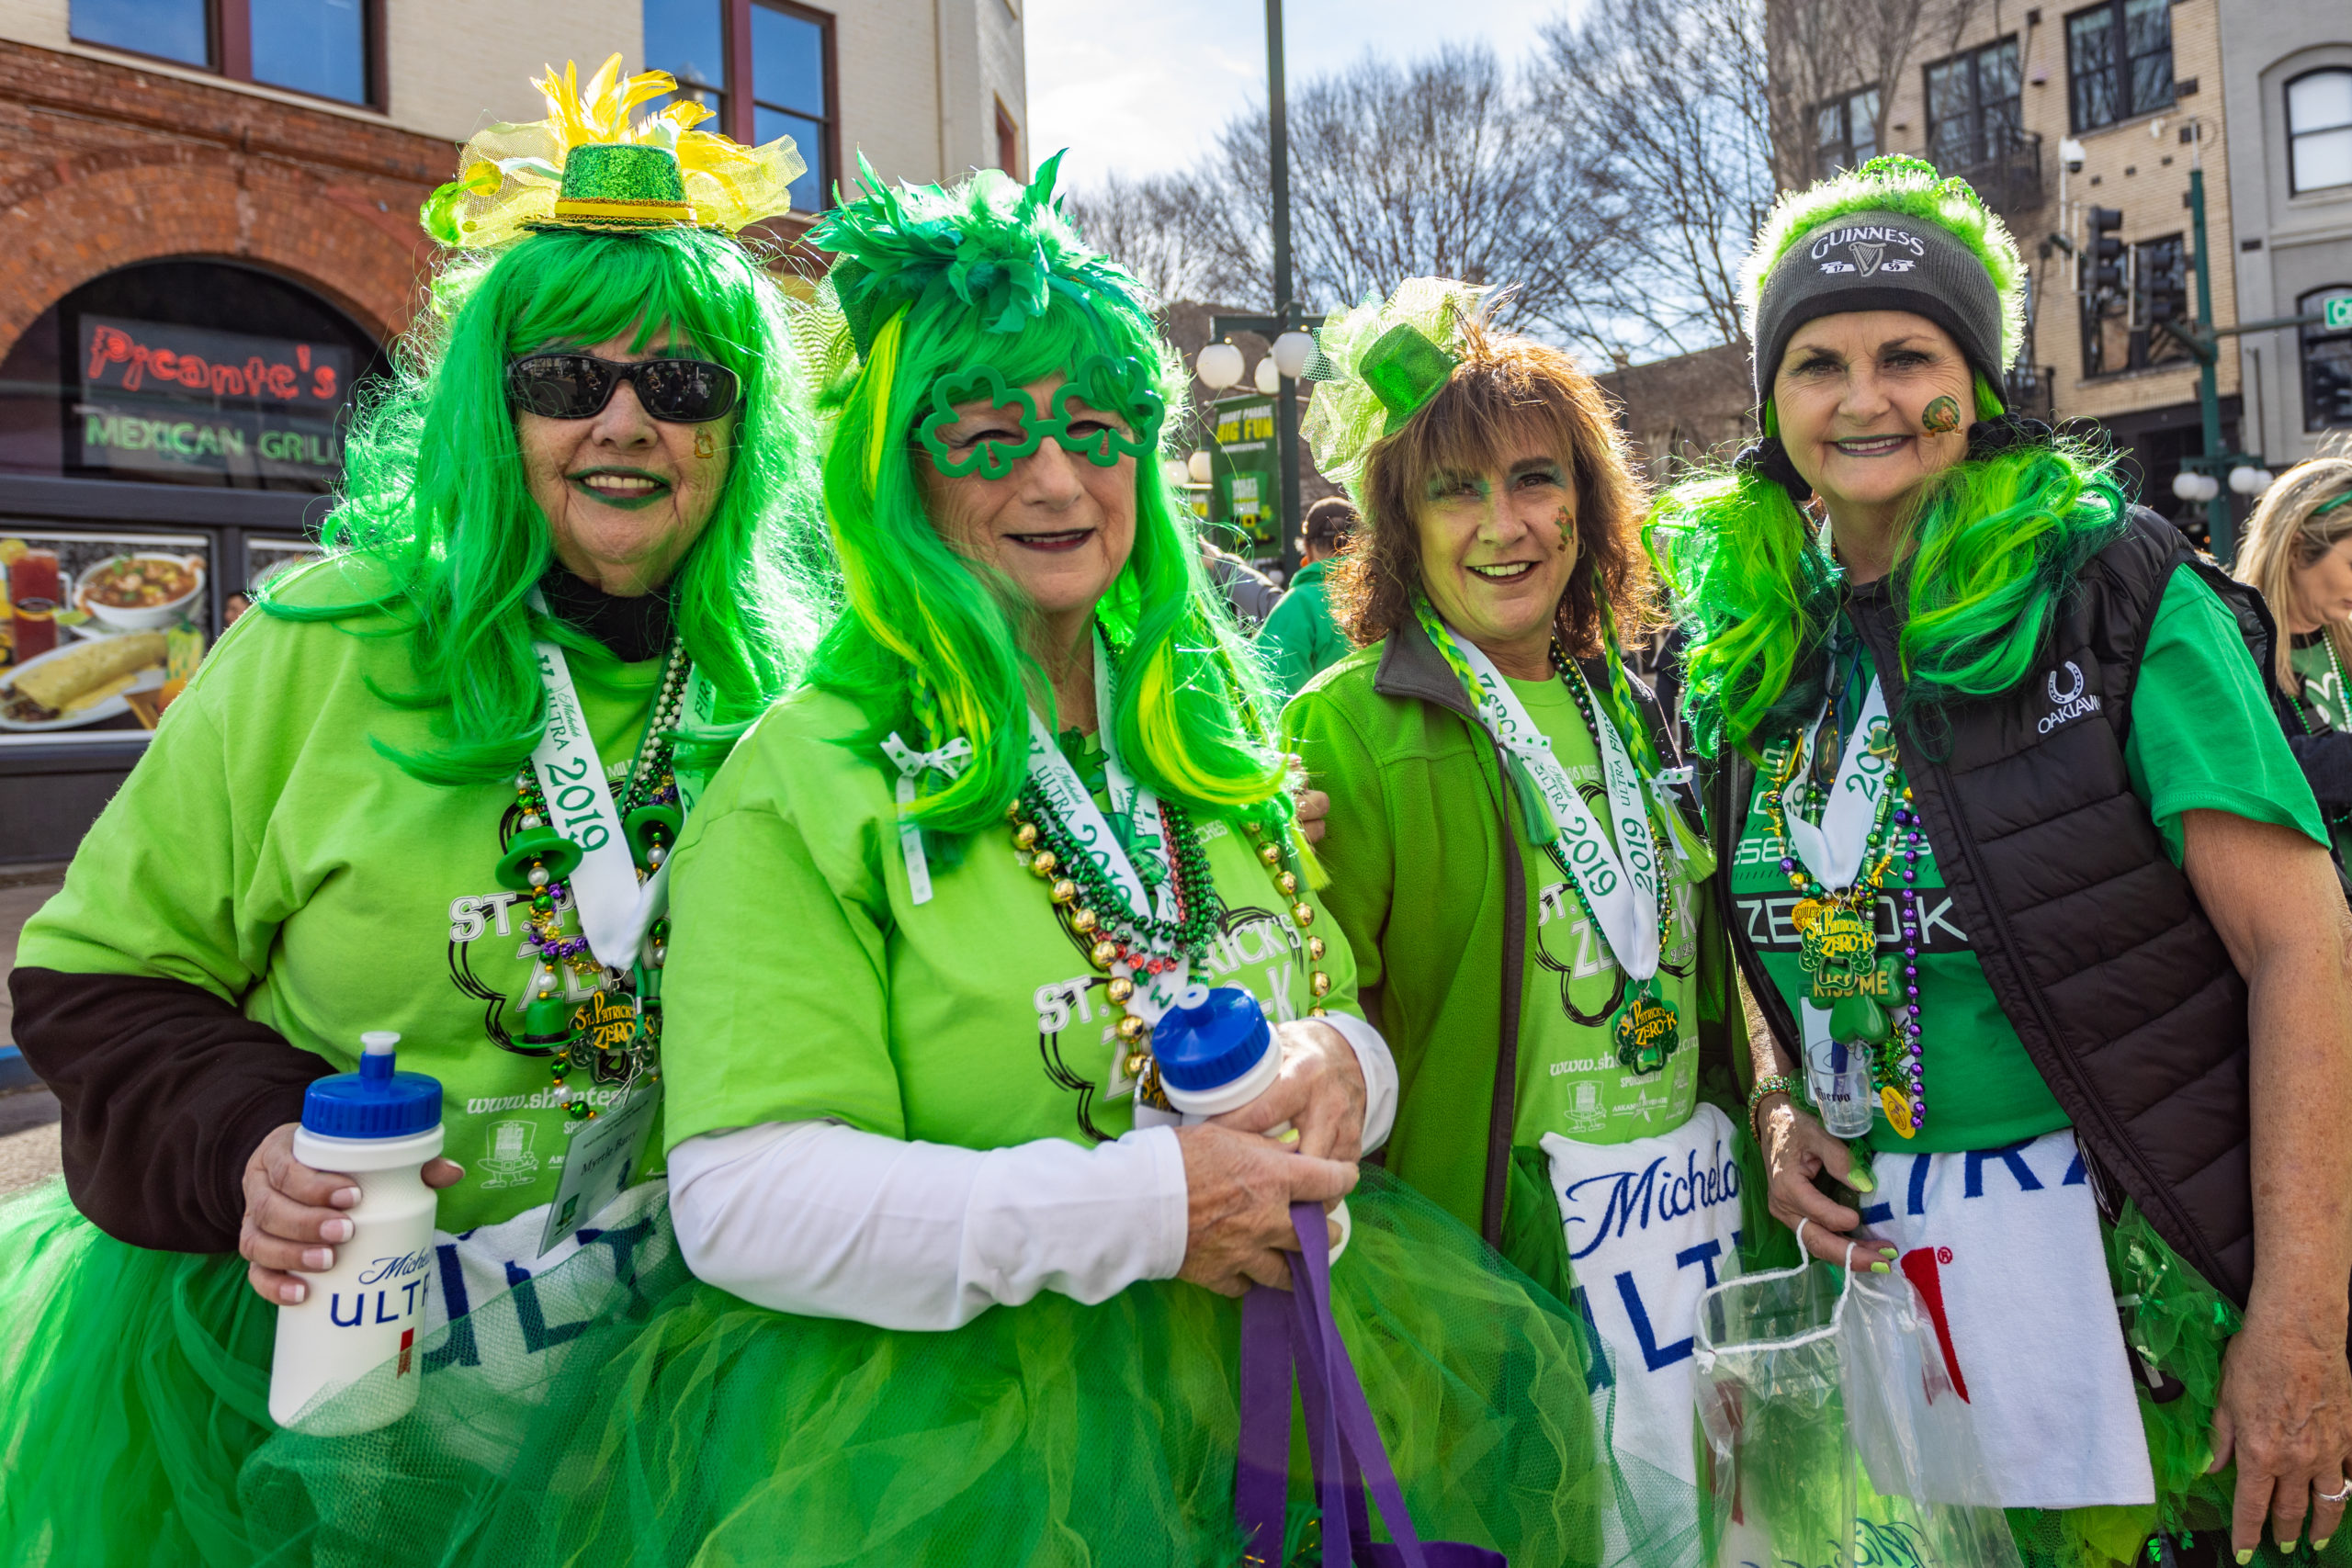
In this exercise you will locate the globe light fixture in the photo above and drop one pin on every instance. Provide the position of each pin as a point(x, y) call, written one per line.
point(1197, 466)
point(2191, 486)
point(1219, 366)
point(2246, 480)
point(1268, 375)
point(1291, 350)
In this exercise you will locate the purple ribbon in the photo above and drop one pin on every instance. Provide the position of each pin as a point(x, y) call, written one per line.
point(1294, 1329)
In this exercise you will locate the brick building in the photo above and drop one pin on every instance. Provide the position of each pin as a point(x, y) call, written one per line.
point(208, 210)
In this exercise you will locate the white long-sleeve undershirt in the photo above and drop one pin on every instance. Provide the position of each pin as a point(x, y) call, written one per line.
point(824, 1220)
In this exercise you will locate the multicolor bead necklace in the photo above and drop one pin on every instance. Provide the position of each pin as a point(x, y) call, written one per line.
point(616, 1036)
point(1143, 943)
point(1836, 925)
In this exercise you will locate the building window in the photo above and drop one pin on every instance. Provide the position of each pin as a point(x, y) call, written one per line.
point(764, 67)
point(2127, 334)
point(2119, 60)
point(2319, 130)
point(328, 49)
point(1008, 142)
point(1974, 103)
point(2327, 365)
point(688, 40)
point(1847, 132)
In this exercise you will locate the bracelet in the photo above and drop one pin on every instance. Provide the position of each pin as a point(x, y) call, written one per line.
point(1788, 1084)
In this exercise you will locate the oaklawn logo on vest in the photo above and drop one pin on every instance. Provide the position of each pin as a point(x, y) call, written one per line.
point(2070, 704)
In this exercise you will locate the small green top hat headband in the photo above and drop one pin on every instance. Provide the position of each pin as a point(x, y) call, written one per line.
point(1377, 366)
point(588, 166)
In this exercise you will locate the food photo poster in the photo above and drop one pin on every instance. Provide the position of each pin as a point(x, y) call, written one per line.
point(98, 631)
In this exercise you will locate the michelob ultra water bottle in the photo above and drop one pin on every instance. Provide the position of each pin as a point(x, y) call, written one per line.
point(379, 1126)
point(1216, 1052)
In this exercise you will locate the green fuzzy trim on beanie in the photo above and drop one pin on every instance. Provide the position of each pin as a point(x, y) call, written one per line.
point(1916, 189)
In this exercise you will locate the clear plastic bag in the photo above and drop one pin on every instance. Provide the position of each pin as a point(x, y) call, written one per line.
point(1834, 1437)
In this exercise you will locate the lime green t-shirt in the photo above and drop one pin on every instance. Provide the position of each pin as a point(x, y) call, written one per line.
point(2203, 736)
point(2326, 705)
point(805, 982)
point(1570, 1082)
point(264, 850)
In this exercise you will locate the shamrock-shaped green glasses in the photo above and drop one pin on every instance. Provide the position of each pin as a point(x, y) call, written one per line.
point(1105, 386)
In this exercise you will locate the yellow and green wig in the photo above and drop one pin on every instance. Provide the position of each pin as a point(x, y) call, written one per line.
point(1989, 545)
point(947, 296)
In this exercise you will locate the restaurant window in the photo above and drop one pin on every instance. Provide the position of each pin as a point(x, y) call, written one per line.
point(1845, 131)
point(328, 49)
point(2319, 130)
point(764, 67)
point(1974, 106)
point(187, 373)
point(2119, 60)
point(2327, 363)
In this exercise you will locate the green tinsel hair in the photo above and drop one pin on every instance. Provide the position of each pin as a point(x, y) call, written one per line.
point(435, 493)
point(935, 646)
point(1990, 547)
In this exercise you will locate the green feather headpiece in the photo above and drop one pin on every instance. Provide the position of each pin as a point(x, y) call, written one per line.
point(992, 246)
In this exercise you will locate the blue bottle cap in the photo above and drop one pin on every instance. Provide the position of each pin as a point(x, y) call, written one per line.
point(375, 1102)
point(1209, 1039)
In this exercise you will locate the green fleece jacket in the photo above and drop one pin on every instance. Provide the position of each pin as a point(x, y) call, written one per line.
point(1300, 637)
point(1428, 886)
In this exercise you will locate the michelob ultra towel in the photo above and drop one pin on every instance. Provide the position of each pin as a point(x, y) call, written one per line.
point(1651, 1224)
point(2003, 1248)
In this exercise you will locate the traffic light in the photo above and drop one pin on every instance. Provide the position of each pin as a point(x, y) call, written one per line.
point(2106, 254)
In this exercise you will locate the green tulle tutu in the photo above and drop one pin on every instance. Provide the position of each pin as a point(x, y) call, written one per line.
point(678, 1424)
point(2176, 1320)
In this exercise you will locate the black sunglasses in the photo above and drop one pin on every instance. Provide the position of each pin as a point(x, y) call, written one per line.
point(577, 386)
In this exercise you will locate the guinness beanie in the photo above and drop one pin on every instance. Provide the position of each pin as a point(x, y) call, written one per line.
point(1879, 261)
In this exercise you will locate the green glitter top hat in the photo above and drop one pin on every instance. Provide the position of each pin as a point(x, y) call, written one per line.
point(620, 188)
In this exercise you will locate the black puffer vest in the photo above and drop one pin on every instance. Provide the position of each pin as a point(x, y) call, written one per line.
point(2094, 943)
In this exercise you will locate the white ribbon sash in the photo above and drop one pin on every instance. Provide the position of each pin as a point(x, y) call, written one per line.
point(1833, 851)
point(1620, 880)
point(613, 907)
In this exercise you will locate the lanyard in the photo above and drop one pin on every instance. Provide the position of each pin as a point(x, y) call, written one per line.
point(1833, 851)
point(614, 908)
point(1148, 892)
point(1621, 887)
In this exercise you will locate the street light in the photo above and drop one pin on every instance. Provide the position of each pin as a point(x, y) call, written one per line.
point(1219, 366)
point(1197, 465)
point(2248, 479)
point(1291, 350)
point(2191, 486)
point(1270, 376)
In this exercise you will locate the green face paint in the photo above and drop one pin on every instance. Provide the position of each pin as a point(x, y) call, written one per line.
point(1941, 417)
point(1102, 385)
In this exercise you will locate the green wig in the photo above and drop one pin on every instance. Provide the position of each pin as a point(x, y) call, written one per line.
point(1987, 550)
point(932, 286)
point(435, 491)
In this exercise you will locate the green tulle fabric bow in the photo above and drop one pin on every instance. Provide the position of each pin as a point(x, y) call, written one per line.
point(1377, 366)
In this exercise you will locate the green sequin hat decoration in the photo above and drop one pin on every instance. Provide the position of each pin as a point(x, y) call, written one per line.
point(589, 166)
point(1377, 366)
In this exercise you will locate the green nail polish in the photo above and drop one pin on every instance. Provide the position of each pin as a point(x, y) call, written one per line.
point(2321, 1544)
point(2246, 1557)
point(1879, 1268)
point(1859, 1178)
point(1890, 1254)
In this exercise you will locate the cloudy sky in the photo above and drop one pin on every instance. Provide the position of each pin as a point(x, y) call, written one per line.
point(1141, 86)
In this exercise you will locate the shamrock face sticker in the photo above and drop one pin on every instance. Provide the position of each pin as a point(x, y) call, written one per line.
point(1105, 411)
point(1941, 417)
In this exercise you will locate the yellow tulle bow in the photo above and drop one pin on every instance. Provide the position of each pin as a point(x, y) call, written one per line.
point(510, 174)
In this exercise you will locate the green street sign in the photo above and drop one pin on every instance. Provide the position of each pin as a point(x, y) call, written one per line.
point(2339, 313)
